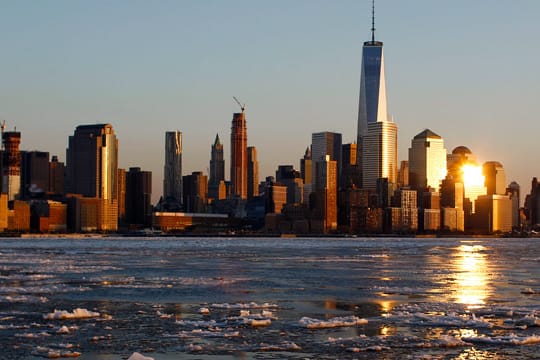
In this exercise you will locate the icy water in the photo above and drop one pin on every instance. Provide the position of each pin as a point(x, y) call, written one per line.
point(257, 298)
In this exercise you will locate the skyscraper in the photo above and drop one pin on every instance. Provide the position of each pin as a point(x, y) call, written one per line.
point(379, 154)
point(239, 155)
point(11, 164)
point(495, 178)
point(252, 172)
point(138, 196)
point(217, 163)
point(92, 169)
point(377, 157)
point(427, 161)
point(322, 144)
point(92, 161)
point(34, 173)
point(172, 172)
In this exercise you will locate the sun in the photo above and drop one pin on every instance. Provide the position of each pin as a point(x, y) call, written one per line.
point(472, 175)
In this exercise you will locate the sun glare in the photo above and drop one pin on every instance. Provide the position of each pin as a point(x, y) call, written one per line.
point(472, 175)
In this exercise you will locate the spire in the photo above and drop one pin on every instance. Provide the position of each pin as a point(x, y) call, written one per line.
point(217, 141)
point(372, 21)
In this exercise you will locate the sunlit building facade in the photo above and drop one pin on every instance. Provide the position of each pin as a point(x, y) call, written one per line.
point(427, 161)
point(252, 172)
point(323, 144)
point(239, 171)
point(379, 154)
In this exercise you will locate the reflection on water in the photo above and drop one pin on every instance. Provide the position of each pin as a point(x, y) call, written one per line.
point(471, 285)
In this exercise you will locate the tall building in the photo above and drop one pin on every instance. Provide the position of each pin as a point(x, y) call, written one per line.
point(379, 154)
point(34, 173)
point(326, 194)
point(323, 144)
point(513, 191)
point(307, 173)
point(217, 163)
point(239, 175)
point(195, 192)
point(57, 171)
point(121, 180)
point(138, 197)
point(350, 171)
point(377, 134)
point(286, 175)
point(495, 178)
point(11, 164)
point(92, 169)
point(172, 172)
point(252, 172)
point(427, 161)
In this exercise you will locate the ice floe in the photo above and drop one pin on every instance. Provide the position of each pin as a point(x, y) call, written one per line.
point(311, 323)
point(77, 313)
point(250, 305)
point(511, 339)
point(139, 356)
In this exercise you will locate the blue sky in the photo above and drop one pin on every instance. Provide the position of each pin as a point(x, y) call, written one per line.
point(468, 70)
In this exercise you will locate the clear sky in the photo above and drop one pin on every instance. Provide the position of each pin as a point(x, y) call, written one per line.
point(467, 70)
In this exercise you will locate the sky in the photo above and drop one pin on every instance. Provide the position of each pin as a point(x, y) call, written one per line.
point(467, 70)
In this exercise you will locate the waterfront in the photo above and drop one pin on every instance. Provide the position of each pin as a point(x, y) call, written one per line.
point(244, 298)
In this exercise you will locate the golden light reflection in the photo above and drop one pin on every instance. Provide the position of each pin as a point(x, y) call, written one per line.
point(471, 285)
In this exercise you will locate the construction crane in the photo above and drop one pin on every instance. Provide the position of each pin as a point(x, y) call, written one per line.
point(243, 107)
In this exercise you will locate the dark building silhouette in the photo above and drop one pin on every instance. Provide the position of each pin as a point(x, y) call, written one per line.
point(195, 192)
point(350, 171)
point(217, 170)
point(57, 172)
point(121, 180)
point(34, 173)
point(138, 197)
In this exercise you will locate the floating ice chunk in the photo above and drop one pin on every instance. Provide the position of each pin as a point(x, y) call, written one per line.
point(286, 346)
point(528, 291)
point(311, 323)
point(251, 305)
point(258, 322)
point(244, 312)
point(76, 314)
point(511, 339)
point(214, 333)
point(138, 356)
point(163, 315)
point(204, 311)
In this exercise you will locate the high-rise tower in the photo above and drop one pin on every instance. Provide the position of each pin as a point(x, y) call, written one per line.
point(11, 169)
point(217, 163)
point(92, 169)
point(239, 155)
point(373, 117)
point(252, 172)
point(172, 172)
point(427, 161)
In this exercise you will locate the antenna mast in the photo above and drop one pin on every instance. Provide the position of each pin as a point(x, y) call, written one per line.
point(372, 21)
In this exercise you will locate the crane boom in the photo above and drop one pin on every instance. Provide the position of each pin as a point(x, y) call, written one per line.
point(243, 107)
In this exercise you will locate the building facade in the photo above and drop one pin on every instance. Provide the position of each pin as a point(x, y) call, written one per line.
point(427, 161)
point(11, 164)
point(323, 144)
point(252, 172)
point(239, 176)
point(172, 172)
point(379, 154)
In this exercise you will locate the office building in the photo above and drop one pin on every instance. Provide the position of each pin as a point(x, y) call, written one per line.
point(427, 161)
point(239, 175)
point(325, 207)
point(34, 173)
point(57, 171)
point(379, 154)
point(11, 164)
point(138, 197)
point(292, 179)
point(217, 171)
point(92, 170)
point(513, 191)
point(495, 178)
point(323, 144)
point(172, 172)
point(377, 134)
point(195, 192)
point(350, 171)
point(252, 172)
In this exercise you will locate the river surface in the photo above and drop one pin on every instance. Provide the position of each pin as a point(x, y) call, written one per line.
point(270, 298)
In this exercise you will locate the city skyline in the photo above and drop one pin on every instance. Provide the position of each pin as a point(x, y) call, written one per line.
point(452, 70)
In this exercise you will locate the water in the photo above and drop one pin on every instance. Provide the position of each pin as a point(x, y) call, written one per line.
point(253, 298)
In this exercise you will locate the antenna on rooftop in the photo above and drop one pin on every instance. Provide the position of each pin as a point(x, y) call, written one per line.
point(372, 20)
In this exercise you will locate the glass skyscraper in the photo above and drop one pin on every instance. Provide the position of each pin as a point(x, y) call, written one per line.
point(377, 134)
